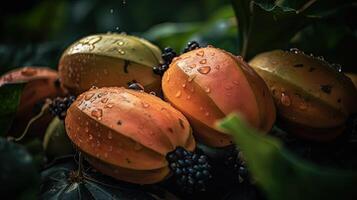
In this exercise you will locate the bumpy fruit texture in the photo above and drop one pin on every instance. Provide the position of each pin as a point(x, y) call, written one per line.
point(127, 134)
point(41, 83)
point(206, 84)
point(313, 99)
point(109, 60)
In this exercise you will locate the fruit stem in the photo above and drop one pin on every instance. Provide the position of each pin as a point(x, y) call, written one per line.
point(32, 120)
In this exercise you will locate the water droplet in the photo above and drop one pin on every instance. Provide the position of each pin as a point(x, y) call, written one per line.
point(200, 53)
point(217, 67)
point(90, 137)
point(188, 97)
point(145, 105)
point(97, 113)
point(285, 99)
point(108, 105)
point(204, 61)
point(122, 52)
point(190, 78)
point(152, 93)
point(192, 89)
point(104, 100)
point(235, 82)
point(207, 114)
point(111, 11)
point(137, 146)
point(193, 66)
point(204, 70)
point(184, 85)
point(86, 129)
point(28, 71)
point(178, 94)
point(110, 135)
point(207, 89)
point(117, 28)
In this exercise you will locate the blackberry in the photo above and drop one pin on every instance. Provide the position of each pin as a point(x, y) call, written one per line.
point(135, 86)
point(168, 55)
point(191, 169)
point(191, 46)
point(58, 107)
point(234, 161)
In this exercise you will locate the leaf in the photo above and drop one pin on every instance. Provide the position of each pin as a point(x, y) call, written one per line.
point(281, 174)
point(18, 175)
point(265, 25)
point(59, 182)
point(10, 95)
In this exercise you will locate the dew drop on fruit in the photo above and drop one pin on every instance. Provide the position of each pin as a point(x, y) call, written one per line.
point(217, 67)
point(178, 94)
point(97, 113)
point(137, 146)
point(204, 70)
point(188, 97)
point(285, 99)
point(203, 61)
point(110, 135)
point(28, 71)
point(200, 53)
point(207, 114)
point(207, 90)
point(86, 129)
point(90, 137)
point(235, 82)
point(104, 100)
point(184, 85)
point(108, 105)
point(145, 105)
point(228, 87)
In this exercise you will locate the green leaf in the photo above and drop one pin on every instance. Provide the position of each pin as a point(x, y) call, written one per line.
point(265, 25)
point(9, 101)
point(18, 175)
point(281, 174)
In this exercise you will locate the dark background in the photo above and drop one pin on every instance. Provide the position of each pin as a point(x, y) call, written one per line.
point(35, 32)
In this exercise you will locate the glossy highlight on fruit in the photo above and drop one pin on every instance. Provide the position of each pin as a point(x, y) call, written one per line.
point(109, 60)
point(207, 84)
point(127, 134)
point(41, 83)
point(313, 98)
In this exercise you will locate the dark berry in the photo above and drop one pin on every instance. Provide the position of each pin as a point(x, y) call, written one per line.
point(136, 86)
point(59, 106)
point(191, 46)
point(191, 169)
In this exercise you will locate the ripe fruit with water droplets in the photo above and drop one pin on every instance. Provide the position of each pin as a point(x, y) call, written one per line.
point(206, 84)
point(313, 98)
point(41, 83)
point(109, 60)
point(127, 134)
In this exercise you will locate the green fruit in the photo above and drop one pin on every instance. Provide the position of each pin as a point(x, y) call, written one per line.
point(56, 142)
point(109, 60)
point(313, 98)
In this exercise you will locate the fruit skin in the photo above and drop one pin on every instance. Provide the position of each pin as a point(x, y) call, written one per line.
point(206, 84)
point(126, 134)
point(109, 60)
point(313, 99)
point(353, 78)
point(41, 83)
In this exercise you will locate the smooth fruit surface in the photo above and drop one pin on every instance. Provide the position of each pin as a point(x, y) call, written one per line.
point(313, 99)
point(41, 83)
point(127, 134)
point(109, 60)
point(206, 84)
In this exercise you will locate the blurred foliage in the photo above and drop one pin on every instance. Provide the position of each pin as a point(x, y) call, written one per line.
point(281, 174)
point(19, 176)
point(10, 95)
point(323, 28)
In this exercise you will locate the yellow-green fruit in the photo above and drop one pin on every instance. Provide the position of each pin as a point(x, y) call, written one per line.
point(109, 60)
point(56, 142)
point(353, 78)
point(313, 99)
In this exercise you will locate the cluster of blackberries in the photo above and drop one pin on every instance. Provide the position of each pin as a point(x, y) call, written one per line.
point(234, 161)
point(167, 55)
point(191, 170)
point(191, 46)
point(58, 107)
